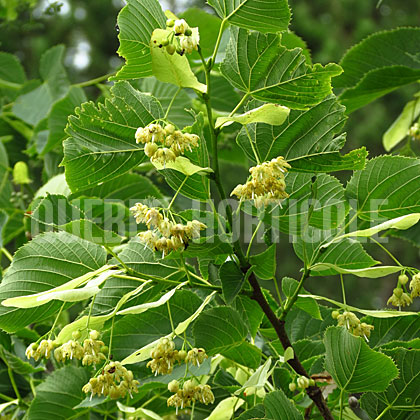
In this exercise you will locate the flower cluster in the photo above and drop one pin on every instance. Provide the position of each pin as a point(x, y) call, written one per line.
point(414, 131)
point(196, 356)
point(353, 324)
point(399, 298)
point(43, 349)
point(180, 38)
point(302, 382)
point(165, 235)
point(90, 353)
point(173, 142)
point(415, 285)
point(189, 394)
point(115, 381)
point(164, 357)
point(266, 184)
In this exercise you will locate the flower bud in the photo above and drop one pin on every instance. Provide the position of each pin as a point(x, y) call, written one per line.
point(188, 32)
point(76, 335)
point(94, 335)
point(403, 279)
point(150, 149)
point(335, 314)
point(173, 386)
point(292, 387)
point(170, 49)
point(170, 23)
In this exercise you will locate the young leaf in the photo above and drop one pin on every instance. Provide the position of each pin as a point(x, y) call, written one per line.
point(258, 378)
point(272, 114)
point(400, 223)
point(136, 22)
point(401, 399)
point(265, 264)
point(183, 165)
point(369, 272)
point(386, 188)
point(399, 128)
point(102, 143)
point(219, 329)
point(378, 65)
point(48, 261)
point(232, 279)
point(174, 68)
point(271, 73)
point(225, 409)
point(269, 16)
point(350, 362)
point(34, 106)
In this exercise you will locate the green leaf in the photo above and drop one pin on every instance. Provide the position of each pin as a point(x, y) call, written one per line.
point(219, 329)
point(246, 354)
point(307, 304)
point(12, 76)
point(271, 73)
point(378, 65)
point(401, 399)
point(18, 365)
point(55, 185)
point(127, 187)
point(251, 313)
point(164, 93)
point(347, 254)
point(290, 40)
point(34, 106)
point(269, 16)
point(136, 22)
point(399, 128)
point(174, 68)
point(265, 264)
point(278, 406)
point(330, 162)
point(400, 223)
point(350, 362)
point(272, 114)
point(386, 188)
point(330, 205)
point(102, 145)
point(369, 272)
point(225, 409)
point(304, 133)
point(56, 212)
point(391, 329)
point(232, 279)
point(139, 412)
point(57, 118)
point(58, 394)
point(48, 261)
point(258, 378)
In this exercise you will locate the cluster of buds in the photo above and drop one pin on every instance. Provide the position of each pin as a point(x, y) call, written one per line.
point(164, 356)
point(173, 142)
point(267, 183)
point(43, 349)
point(115, 381)
point(189, 393)
point(399, 298)
point(180, 38)
point(91, 353)
point(196, 356)
point(414, 131)
point(165, 235)
point(353, 324)
point(302, 382)
point(415, 285)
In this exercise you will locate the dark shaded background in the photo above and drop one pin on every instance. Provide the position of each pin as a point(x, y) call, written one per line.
point(330, 27)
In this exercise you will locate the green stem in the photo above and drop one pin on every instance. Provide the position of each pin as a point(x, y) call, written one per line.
point(185, 269)
point(383, 413)
point(56, 320)
point(252, 239)
point(177, 192)
point(252, 145)
point(291, 301)
point(5, 397)
point(278, 292)
point(13, 382)
point(341, 404)
point(171, 103)
point(343, 290)
point(94, 81)
point(7, 254)
point(90, 312)
point(216, 47)
point(170, 317)
point(381, 246)
point(110, 339)
point(240, 103)
point(110, 251)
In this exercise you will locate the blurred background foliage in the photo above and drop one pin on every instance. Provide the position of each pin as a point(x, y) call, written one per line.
point(89, 32)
